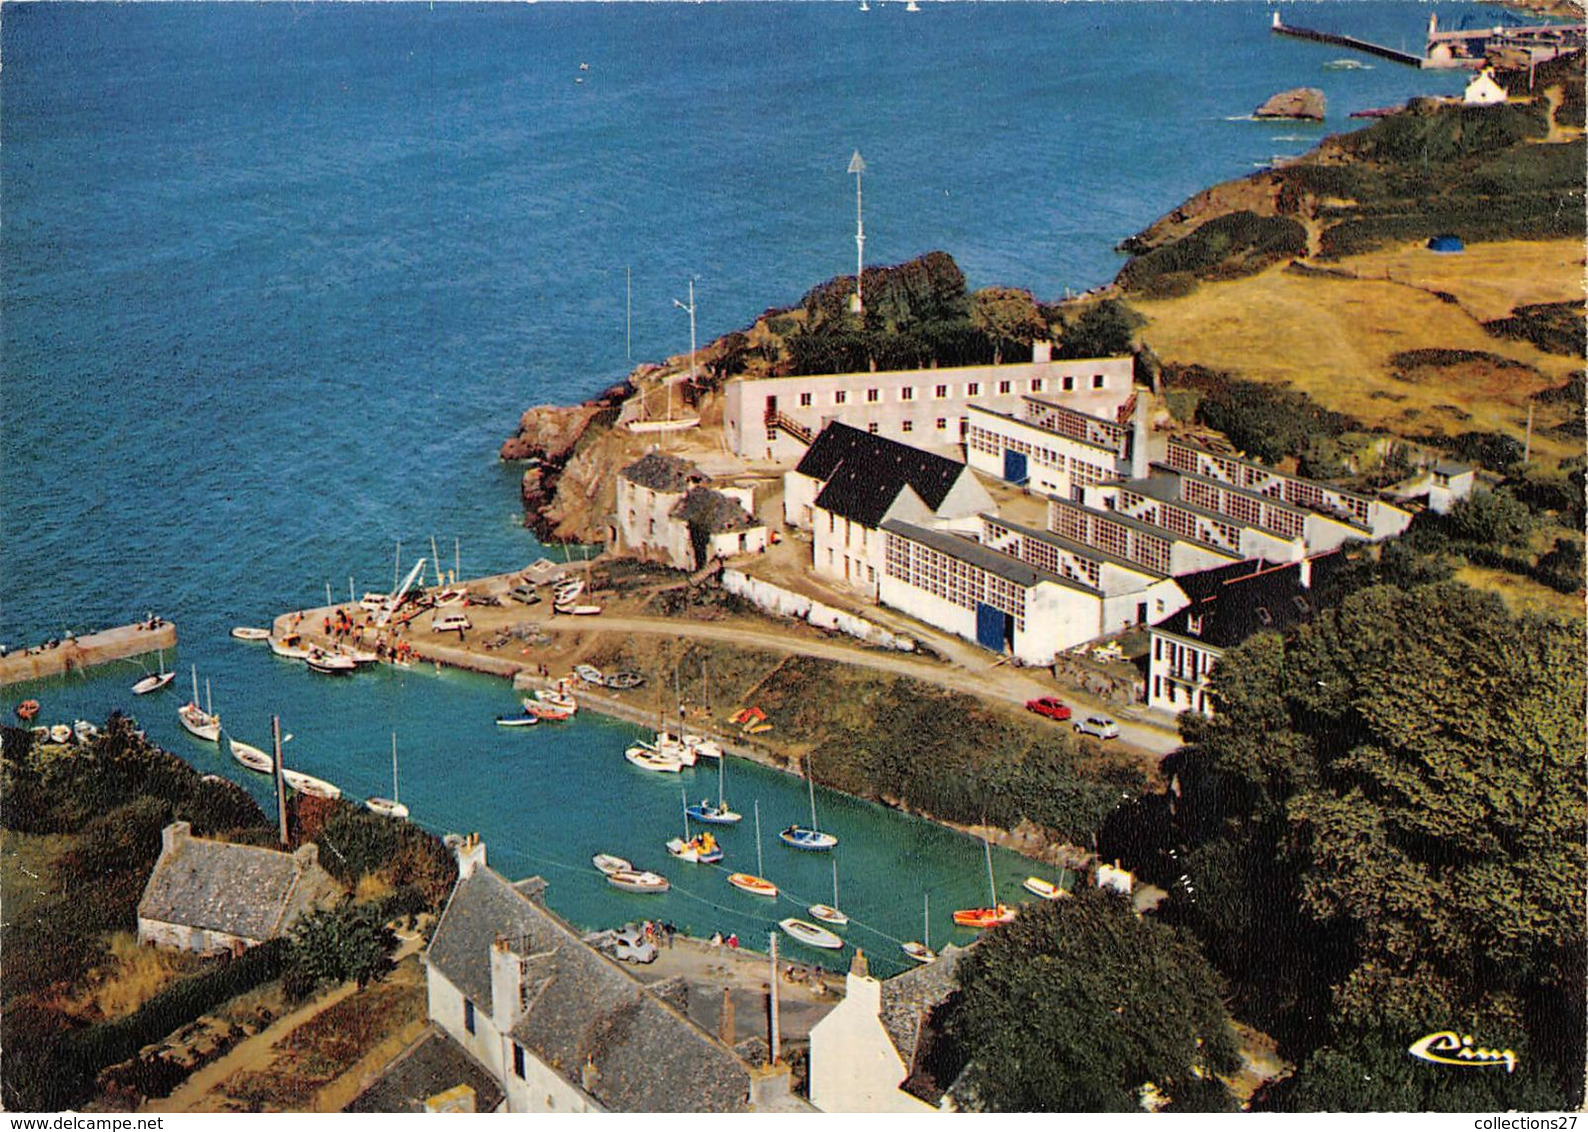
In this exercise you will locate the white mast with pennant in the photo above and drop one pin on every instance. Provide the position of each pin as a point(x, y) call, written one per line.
point(857, 166)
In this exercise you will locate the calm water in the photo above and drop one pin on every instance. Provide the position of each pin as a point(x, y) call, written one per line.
point(278, 280)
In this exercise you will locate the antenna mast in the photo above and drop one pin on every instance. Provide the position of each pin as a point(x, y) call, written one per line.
point(857, 166)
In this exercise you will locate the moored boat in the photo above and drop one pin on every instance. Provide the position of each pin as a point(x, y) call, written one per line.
point(648, 759)
point(918, 951)
point(248, 633)
point(828, 914)
point(83, 731)
point(702, 849)
point(622, 681)
point(152, 683)
point(329, 663)
point(27, 709)
point(386, 807)
point(757, 886)
point(525, 720)
point(812, 840)
point(251, 756)
point(1043, 888)
point(308, 784)
point(290, 647)
point(809, 934)
point(632, 881)
point(547, 712)
point(984, 917)
point(199, 722)
point(61, 733)
point(556, 699)
point(609, 864)
point(702, 747)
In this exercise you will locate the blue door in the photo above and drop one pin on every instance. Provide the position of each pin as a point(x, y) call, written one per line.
point(1014, 466)
point(989, 627)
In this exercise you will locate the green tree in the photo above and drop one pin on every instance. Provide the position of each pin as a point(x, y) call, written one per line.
point(334, 945)
point(1008, 317)
point(1078, 1004)
point(1493, 518)
point(1101, 330)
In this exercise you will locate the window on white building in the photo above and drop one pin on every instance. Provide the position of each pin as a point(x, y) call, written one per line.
point(1036, 385)
point(1003, 386)
point(1069, 384)
point(908, 426)
point(840, 396)
point(468, 1016)
point(872, 396)
point(1097, 381)
point(942, 392)
point(942, 424)
point(973, 389)
point(805, 400)
point(907, 393)
point(518, 1061)
point(872, 428)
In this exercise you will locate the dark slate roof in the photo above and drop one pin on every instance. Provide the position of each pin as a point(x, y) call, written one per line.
point(909, 997)
point(712, 510)
point(661, 472)
point(433, 1064)
point(995, 562)
point(584, 1009)
point(865, 474)
point(243, 890)
point(1243, 604)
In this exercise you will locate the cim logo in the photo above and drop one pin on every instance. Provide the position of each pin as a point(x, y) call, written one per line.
point(1450, 1048)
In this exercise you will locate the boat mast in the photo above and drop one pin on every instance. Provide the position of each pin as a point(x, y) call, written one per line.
point(209, 705)
point(394, 796)
point(992, 888)
point(759, 868)
point(195, 685)
point(684, 798)
point(722, 801)
point(926, 922)
point(835, 882)
point(435, 556)
point(396, 567)
point(810, 778)
point(457, 559)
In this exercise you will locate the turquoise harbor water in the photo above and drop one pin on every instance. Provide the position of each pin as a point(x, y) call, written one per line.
point(279, 278)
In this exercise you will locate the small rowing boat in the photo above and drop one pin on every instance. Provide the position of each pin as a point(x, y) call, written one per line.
point(918, 951)
point(251, 756)
point(61, 733)
point(329, 663)
point(756, 886)
point(547, 712)
point(560, 700)
point(630, 881)
point(809, 934)
point(590, 674)
point(1043, 888)
point(248, 633)
point(308, 784)
point(647, 759)
point(516, 721)
point(610, 864)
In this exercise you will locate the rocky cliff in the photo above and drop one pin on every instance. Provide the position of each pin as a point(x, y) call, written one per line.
point(549, 438)
point(1304, 102)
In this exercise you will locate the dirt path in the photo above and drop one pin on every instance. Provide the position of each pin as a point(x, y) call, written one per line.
point(1010, 685)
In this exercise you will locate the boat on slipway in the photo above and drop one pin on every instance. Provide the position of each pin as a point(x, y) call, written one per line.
point(809, 934)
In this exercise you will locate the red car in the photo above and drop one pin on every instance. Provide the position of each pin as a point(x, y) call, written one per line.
point(1049, 707)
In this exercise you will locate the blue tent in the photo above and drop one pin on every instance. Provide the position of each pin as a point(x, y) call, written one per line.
point(1446, 244)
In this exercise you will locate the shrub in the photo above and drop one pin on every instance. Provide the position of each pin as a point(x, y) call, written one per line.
point(1226, 247)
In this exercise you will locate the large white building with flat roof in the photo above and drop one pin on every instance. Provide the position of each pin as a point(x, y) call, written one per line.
point(776, 418)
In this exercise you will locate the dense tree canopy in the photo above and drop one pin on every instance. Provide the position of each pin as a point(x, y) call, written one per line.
point(1384, 837)
point(1079, 1004)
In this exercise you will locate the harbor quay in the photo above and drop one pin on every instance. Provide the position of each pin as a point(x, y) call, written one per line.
point(73, 654)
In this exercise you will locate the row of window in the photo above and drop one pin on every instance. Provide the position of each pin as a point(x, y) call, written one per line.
point(1004, 388)
point(1170, 692)
point(1185, 663)
point(1117, 539)
point(1296, 492)
point(951, 579)
point(1078, 426)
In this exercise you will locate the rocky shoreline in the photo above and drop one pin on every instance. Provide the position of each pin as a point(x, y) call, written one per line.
point(548, 439)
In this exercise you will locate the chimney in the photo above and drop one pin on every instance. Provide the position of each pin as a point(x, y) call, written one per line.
point(727, 1030)
point(1305, 573)
point(507, 985)
point(1041, 351)
point(860, 987)
point(174, 834)
point(770, 1087)
point(471, 855)
point(306, 857)
point(1138, 438)
point(589, 1075)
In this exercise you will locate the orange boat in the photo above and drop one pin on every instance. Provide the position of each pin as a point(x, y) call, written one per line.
point(759, 886)
point(546, 712)
point(27, 709)
point(984, 917)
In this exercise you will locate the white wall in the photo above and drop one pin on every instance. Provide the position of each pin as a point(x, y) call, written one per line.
point(446, 1011)
point(185, 937)
point(853, 1066)
point(1183, 686)
point(799, 496)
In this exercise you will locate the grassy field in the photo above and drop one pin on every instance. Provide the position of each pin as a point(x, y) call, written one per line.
point(1333, 338)
point(1523, 595)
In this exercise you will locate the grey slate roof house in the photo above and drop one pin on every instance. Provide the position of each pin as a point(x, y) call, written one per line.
point(211, 896)
point(560, 1027)
point(864, 474)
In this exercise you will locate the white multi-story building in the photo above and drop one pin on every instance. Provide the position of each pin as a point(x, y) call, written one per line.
point(775, 418)
point(1054, 449)
point(850, 482)
point(665, 509)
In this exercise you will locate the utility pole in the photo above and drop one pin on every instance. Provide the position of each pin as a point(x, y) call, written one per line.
point(281, 785)
point(775, 1046)
point(857, 166)
point(691, 309)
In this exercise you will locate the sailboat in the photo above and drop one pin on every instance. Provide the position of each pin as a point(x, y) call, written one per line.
point(389, 807)
point(829, 913)
point(718, 814)
point(758, 885)
point(986, 917)
point(445, 594)
point(201, 723)
point(922, 952)
point(808, 837)
point(155, 681)
point(702, 848)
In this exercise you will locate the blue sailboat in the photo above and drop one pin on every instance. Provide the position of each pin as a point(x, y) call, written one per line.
point(719, 814)
point(808, 837)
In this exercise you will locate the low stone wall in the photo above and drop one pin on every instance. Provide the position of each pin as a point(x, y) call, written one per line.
point(785, 603)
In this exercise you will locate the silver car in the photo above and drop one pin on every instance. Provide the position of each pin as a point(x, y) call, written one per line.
point(1098, 725)
point(631, 946)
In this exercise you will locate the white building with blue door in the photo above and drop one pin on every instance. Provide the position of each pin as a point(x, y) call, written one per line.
point(956, 584)
point(1052, 448)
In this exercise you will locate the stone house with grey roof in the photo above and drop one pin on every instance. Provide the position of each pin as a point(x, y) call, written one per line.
point(561, 1027)
point(666, 510)
point(211, 896)
point(870, 1053)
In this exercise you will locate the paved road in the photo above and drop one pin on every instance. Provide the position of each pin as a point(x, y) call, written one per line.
point(1011, 685)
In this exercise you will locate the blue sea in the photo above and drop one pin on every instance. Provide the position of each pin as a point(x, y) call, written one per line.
point(279, 278)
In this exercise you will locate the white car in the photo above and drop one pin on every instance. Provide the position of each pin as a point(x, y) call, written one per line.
point(449, 622)
point(1098, 725)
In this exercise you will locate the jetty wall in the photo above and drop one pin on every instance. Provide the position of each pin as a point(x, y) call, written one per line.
point(77, 653)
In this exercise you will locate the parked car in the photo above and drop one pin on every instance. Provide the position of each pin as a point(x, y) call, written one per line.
point(525, 593)
point(631, 946)
point(1098, 725)
point(1048, 706)
point(449, 622)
